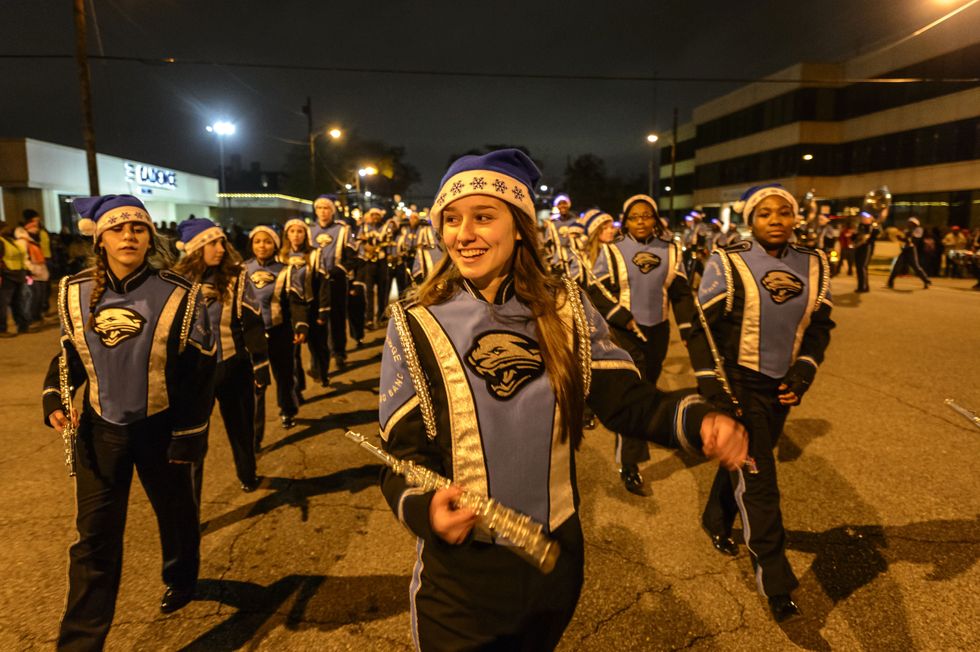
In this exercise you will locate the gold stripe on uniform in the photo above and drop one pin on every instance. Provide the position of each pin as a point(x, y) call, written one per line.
point(623, 277)
point(398, 415)
point(156, 369)
point(227, 337)
point(811, 302)
point(469, 468)
point(748, 348)
point(81, 346)
point(275, 306)
point(671, 274)
point(615, 364)
point(561, 499)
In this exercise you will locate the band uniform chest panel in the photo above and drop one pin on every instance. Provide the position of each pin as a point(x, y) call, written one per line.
point(780, 295)
point(267, 284)
point(330, 241)
point(644, 271)
point(512, 443)
point(125, 353)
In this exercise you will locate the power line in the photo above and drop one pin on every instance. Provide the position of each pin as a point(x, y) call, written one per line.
point(419, 72)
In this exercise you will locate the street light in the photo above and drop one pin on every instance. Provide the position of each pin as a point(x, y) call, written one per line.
point(221, 129)
point(335, 133)
point(366, 171)
point(652, 139)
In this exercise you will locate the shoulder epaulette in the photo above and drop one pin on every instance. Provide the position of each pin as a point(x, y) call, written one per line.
point(803, 249)
point(741, 245)
point(240, 291)
point(175, 278)
point(87, 274)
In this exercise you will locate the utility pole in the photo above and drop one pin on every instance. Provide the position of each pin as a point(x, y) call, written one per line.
point(673, 166)
point(308, 110)
point(85, 83)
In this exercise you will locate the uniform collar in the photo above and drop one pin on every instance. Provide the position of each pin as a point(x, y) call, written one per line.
point(504, 294)
point(648, 240)
point(130, 282)
point(782, 254)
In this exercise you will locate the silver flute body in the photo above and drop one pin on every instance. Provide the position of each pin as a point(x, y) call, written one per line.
point(521, 534)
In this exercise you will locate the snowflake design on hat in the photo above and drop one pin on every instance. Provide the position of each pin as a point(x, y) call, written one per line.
point(478, 183)
point(518, 193)
point(441, 199)
point(499, 186)
point(456, 188)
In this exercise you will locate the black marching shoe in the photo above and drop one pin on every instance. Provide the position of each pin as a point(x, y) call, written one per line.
point(722, 543)
point(287, 421)
point(783, 607)
point(248, 486)
point(632, 480)
point(174, 598)
point(341, 364)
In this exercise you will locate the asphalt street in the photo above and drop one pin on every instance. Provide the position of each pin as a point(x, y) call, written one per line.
point(881, 500)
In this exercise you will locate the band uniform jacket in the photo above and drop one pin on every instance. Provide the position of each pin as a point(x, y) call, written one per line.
point(300, 268)
point(269, 285)
point(237, 323)
point(560, 239)
point(770, 315)
point(495, 417)
point(150, 351)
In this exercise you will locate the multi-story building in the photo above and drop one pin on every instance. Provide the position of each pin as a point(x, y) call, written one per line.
point(828, 130)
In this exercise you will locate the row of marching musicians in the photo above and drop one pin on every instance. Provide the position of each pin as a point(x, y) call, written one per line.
point(157, 343)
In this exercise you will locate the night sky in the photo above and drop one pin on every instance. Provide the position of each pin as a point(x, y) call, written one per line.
point(157, 113)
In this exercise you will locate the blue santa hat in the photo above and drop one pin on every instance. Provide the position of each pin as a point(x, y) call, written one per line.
point(560, 198)
point(593, 220)
point(751, 198)
point(628, 204)
point(507, 174)
point(100, 213)
point(196, 232)
point(330, 198)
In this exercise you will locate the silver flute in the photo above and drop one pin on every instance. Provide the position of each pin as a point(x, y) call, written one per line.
point(69, 432)
point(970, 415)
point(521, 534)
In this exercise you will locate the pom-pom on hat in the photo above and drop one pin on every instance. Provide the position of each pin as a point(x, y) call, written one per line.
point(100, 213)
point(628, 204)
point(507, 174)
point(268, 230)
point(751, 198)
point(196, 232)
point(593, 220)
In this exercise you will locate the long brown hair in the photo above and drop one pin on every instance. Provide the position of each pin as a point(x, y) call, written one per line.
point(287, 248)
point(542, 292)
point(157, 257)
point(192, 268)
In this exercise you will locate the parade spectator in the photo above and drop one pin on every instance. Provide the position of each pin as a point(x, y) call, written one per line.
point(38, 242)
point(14, 291)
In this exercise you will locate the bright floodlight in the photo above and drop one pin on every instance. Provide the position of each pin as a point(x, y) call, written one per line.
point(335, 133)
point(348, 186)
point(808, 157)
point(370, 170)
point(367, 194)
point(544, 188)
point(652, 138)
point(667, 188)
point(222, 128)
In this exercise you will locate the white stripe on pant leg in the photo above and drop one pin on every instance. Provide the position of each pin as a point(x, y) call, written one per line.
point(619, 450)
point(747, 530)
point(413, 591)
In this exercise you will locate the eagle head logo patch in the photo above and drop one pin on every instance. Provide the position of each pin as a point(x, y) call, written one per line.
point(261, 278)
point(782, 286)
point(324, 239)
point(506, 361)
point(115, 325)
point(646, 261)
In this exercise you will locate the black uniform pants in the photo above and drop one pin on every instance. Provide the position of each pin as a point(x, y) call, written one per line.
point(862, 257)
point(281, 361)
point(908, 257)
point(373, 275)
point(755, 496)
point(649, 359)
point(234, 390)
point(338, 314)
point(481, 596)
point(357, 308)
point(106, 456)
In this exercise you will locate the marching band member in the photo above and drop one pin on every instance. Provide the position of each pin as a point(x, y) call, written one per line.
point(867, 233)
point(372, 270)
point(301, 259)
point(638, 277)
point(335, 264)
point(428, 254)
point(508, 355)
point(558, 241)
point(911, 240)
point(767, 302)
point(267, 277)
point(140, 338)
point(408, 244)
point(243, 358)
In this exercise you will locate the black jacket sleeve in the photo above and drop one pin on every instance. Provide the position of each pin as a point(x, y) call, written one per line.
point(51, 394)
point(253, 332)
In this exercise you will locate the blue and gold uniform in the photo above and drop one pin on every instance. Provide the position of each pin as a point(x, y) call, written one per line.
point(496, 433)
point(371, 276)
point(641, 280)
point(268, 282)
point(146, 356)
point(300, 271)
point(335, 265)
point(561, 243)
point(407, 245)
point(770, 318)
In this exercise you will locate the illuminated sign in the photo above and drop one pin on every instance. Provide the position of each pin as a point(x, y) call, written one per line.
point(147, 175)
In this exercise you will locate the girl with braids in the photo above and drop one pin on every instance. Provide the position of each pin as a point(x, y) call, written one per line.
point(639, 278)
point(140, 338)
point(243, 360)
point(507, 357)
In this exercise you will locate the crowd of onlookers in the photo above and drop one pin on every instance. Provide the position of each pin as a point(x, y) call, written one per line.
point(33, 261)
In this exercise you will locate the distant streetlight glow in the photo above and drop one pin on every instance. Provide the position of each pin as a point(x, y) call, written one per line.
point(666, 188)
point(221, 128)
point(368, 171)
point(808, 157)
point(348, 186)
point(368, 194)
point(335, 133)
point(544, 188)
point(652, 138)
